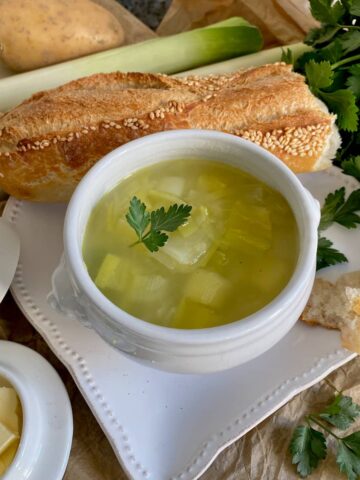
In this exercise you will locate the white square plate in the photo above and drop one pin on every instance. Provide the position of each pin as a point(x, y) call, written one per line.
point(166, 426)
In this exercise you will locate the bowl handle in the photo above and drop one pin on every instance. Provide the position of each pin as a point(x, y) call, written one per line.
point(63, 297)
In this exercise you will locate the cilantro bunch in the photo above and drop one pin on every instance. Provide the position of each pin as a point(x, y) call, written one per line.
point(308, 445)
point(332, 71)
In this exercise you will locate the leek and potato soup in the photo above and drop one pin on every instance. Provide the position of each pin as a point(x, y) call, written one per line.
point(236, 251)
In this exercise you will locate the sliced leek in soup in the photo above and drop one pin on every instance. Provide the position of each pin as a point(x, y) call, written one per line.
point(236, 252)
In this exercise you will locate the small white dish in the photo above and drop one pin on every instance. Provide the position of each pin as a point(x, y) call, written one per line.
point(185, 351)
point(166, 426)
point(9, 255)
point(47, 426)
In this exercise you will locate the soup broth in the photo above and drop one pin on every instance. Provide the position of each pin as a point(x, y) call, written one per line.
point(236, 253)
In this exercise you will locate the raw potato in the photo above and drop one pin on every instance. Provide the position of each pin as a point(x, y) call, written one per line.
point(35, 33)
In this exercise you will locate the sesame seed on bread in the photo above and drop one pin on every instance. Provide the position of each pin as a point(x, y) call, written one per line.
point(51, 140)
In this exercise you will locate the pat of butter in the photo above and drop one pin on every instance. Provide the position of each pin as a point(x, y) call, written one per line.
point(9, 409)
point(7, 437)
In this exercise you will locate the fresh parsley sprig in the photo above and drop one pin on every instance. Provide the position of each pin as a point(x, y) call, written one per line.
point(345, 212)
point(341, 413)
point(150, 226)
point(342, 101)
point(307, 447)
point(337, 209)
point(308, 444)
point(351, 166)
point(332, 70)
point(327, 255)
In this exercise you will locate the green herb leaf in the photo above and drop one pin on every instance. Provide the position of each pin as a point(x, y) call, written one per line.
point(159, 220)
point(348, 461)
point(332, 203)
point(138, 217)
point(353, 442)
point(350, 146)
point(336, 209)
point(287, 56)
point(307, 448)
point(169, 221)
point(327, 11)
point(341, 413)
point(319, 75)
point(350, 41)
point(346, 215)
point(351, 166)
point(326, 255)
point(354, 85)
point(332, 52)
point(317, 36)
point(355, 8)
point(338, 35)
point(343, 103)
point(355, 69)
point(339, 80)
point(155, 240)
point(353, 81)
point(300, 63)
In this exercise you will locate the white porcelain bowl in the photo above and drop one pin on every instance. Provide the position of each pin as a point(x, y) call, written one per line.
point(203, 350)
point(47, 424)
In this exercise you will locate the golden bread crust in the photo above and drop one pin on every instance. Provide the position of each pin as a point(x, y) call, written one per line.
point(49, 141)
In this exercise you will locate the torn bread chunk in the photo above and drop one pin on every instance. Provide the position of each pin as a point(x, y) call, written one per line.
point(337, 306)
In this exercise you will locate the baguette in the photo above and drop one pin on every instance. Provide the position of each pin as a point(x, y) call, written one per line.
point(50, 141)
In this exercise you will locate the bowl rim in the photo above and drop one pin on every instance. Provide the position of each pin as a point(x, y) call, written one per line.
point(25, 370)
point(235, 329)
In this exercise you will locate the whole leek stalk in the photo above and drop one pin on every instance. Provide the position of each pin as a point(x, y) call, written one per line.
point(227, 39)
point(270, 55)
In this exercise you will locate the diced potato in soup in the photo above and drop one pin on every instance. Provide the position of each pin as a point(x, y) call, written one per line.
point(234, 255)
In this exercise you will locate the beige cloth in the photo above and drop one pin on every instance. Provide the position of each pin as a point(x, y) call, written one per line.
point(280, 21)
point(135, 30)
